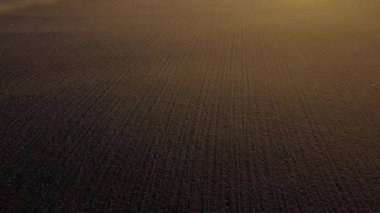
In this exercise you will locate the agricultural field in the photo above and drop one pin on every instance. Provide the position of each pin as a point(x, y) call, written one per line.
point(190, 106)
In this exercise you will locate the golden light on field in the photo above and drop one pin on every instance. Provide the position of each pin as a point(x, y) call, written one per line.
point(189, 105)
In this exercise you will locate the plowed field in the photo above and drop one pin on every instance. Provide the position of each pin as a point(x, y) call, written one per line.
point(191, 105)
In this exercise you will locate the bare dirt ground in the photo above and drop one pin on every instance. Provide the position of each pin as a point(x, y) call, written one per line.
point(192, 105)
